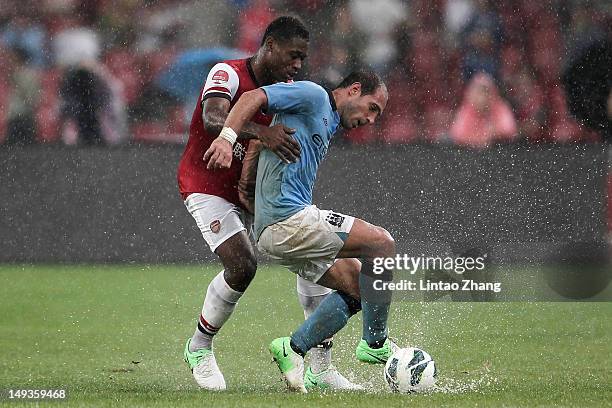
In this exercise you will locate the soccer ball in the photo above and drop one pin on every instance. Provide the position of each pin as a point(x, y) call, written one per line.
point(410, 370)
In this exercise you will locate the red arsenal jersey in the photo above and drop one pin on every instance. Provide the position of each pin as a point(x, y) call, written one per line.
point(229, 80)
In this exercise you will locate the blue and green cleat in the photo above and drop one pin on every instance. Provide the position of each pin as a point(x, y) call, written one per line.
point(375, 356)
point(290, 363)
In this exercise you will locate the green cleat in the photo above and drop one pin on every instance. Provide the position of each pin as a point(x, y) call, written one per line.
point(204, 368)
point(290, 363)
point(329, 379)
point(375, 356)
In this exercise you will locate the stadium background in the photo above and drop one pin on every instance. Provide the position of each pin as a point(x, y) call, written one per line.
point(427, 51)
point(142, 64)
point(542, 187)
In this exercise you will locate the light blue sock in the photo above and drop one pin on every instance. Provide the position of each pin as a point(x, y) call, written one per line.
point(374, 305)
point(328, 318)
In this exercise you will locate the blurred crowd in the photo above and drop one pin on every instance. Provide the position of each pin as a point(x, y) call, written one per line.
point(468, 72)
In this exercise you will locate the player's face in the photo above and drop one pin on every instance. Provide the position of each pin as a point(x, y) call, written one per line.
point(363, 109)
point(287, 58)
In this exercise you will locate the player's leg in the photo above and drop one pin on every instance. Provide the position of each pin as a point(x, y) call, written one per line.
point(290, 356)
point(223, 229)
point(321, 373)
point(333, 313)
point(310, 296)
point(367, 242)
point(352, 295)
point(307, 244)
point(226, 288)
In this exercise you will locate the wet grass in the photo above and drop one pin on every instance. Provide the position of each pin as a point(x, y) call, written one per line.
point(114, 336)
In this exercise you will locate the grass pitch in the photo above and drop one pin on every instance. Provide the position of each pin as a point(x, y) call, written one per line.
point(114, 336)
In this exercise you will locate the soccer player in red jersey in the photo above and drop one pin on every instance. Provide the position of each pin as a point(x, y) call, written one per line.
point(212, 197)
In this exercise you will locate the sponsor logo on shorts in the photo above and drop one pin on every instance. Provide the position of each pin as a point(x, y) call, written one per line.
point(215, 226)
point(220, 77)
point(335, 219)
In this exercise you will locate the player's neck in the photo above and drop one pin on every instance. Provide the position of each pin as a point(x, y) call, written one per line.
point(339, 98)
point(259, 70)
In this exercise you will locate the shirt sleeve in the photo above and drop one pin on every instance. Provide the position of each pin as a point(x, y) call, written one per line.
point(222, 82)
point(294, 97)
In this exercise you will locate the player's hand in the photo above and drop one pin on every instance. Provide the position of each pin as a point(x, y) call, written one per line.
point(278, 139)
point(219, 155)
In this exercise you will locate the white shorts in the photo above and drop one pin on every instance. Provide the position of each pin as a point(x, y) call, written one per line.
point(217, 218)
point(308, 242)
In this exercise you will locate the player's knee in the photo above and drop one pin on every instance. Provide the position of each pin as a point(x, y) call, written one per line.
point(353, 265)
point(240, 272)
point(383, 243)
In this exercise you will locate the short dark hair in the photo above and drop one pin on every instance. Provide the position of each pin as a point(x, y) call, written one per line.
point(370, 81)
point(285, 28)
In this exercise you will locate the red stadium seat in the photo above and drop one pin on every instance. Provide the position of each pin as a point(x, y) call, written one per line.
point(177, 122)
point(48, 123)
point(427, 62)
point(4, 94)
point(48, 112)
point(252, 23)
point(399, 129)
point(125, 67)
point(513, 23)
point(564, 130)
point(437, 121)
point(398, 124)
point(512, 60)
point(155, 132)
point(156, 62)
point(545, 53)
point(563, 126)
point(610, 202)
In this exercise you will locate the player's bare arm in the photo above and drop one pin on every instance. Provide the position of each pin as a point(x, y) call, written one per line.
point(276, 138)
point(249, 103)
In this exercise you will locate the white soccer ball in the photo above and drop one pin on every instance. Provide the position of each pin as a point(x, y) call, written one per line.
point(410, 370)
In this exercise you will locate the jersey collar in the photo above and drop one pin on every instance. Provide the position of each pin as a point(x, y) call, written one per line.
point(332, 101)
point(251, 73)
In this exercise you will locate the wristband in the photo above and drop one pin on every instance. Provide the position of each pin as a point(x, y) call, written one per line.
point(228, 134)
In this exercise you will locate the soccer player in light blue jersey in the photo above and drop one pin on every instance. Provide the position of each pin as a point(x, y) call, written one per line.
point(326, 247)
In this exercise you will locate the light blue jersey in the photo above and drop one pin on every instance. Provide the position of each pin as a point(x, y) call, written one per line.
point(285, 189)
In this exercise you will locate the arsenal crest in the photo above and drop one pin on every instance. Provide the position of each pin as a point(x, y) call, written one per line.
point(215, 226)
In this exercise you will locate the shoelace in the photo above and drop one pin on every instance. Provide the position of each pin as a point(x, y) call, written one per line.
point(334, 374)
point(205, 366)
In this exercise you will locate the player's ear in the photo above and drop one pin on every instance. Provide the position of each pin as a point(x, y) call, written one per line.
point(355, 89)
point(269, 43)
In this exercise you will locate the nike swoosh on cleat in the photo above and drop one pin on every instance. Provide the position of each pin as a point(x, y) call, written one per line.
point(284, 351)
point(376, 357)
